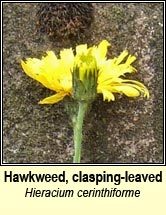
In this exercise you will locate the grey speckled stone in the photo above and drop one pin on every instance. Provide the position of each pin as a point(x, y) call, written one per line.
point(125, 131)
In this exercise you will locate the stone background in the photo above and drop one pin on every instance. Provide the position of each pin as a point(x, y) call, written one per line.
point(125, 131)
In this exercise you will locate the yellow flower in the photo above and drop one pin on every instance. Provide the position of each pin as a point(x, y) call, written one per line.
point(56, 74)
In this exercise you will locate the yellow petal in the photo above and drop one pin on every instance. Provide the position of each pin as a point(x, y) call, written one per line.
point(31, 67)
point(112, 69)
point(139, 86)
point(50, 72)
point(127, 90)
point(121, 57)
point(67, 57)
point(107, 95)
point(80, 49)
point(130, 60)
point(50, 58)
point(53, 99)
point(102, 48)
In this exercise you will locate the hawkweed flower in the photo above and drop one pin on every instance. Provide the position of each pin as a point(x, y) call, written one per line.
point(82, 76)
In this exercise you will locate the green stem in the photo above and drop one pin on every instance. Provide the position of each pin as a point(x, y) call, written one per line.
point(78, 124)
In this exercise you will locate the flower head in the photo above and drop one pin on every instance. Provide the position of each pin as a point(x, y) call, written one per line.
point(91, 64)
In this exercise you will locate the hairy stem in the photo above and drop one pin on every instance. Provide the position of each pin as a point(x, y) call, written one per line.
point(78, 124)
